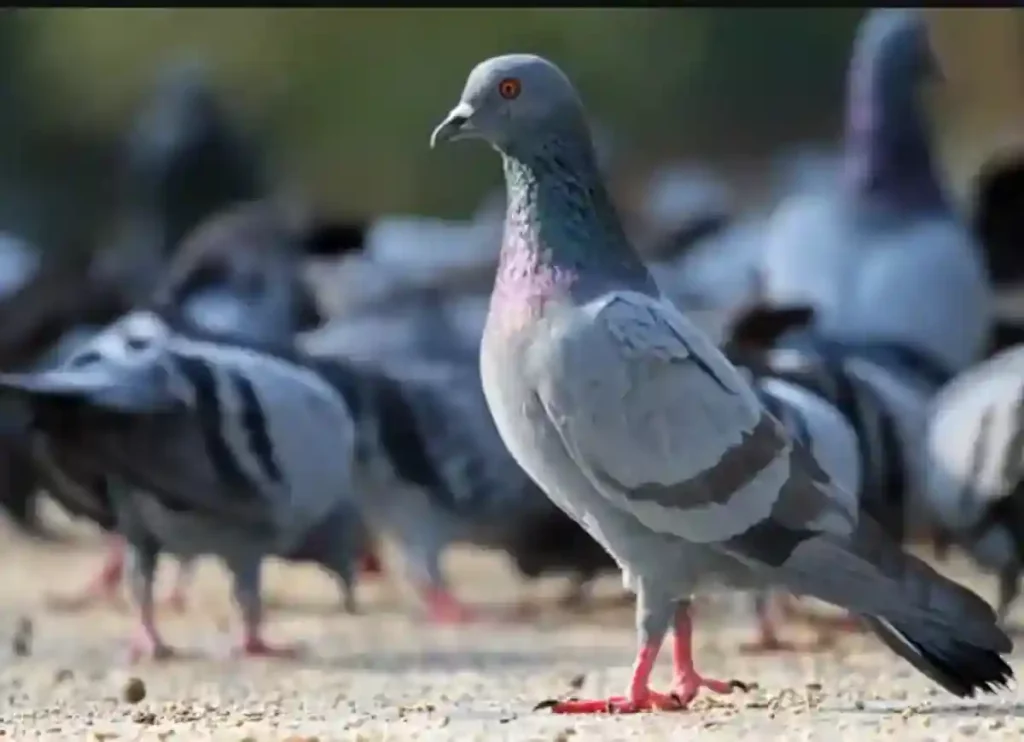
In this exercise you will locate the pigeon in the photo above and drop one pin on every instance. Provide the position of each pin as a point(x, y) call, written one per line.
point(236, 275)
point(850, 252)
point(843, 408)
point(211, 447)
point(438, 472)
point(974, 460)
point(635, 424)
point(184, 160)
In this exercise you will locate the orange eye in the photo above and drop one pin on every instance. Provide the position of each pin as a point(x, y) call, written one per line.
point(509, 88)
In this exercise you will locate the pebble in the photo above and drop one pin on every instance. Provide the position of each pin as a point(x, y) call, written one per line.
point(134, 690)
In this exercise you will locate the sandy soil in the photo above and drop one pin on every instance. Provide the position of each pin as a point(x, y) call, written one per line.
point(382, 676)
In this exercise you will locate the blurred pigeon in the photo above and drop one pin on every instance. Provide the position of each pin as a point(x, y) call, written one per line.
point(221, 449)
point(236, 275)
point(975, 467)
point(449, 477)
point(872, 256)
point(635, 424)
point(185, 160)
point(841, 410)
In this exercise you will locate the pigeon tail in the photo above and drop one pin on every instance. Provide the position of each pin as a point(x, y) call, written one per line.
point(870, 575)
point(961, 668)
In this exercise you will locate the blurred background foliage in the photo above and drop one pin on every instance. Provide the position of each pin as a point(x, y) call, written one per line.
point(346, 98)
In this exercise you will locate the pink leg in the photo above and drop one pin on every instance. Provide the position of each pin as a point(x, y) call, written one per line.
point(768, 638)
point(445, 608)
point(688, 682)
point(177, 601)
point(104, 587)
point(639, 698)
point(247, 594)
point(146, 641)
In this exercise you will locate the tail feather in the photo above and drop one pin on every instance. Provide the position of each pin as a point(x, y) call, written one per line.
point(961, 668)
point(871, 575)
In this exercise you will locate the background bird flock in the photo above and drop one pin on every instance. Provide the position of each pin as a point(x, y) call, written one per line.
point(230, 370)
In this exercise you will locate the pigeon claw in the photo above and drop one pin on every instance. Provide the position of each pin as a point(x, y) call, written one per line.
point(150, 648)
point(649, 701)
point(687, 687)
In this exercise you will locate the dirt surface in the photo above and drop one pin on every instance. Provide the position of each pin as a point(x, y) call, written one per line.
point(382, 676)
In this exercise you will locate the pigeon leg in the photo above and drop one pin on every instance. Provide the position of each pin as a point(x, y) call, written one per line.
point(688, 682)
point(146, 642)
point(177, 601)
point(246, 572)
point(445, 608)
point(652, 625)
point(1009, 588)
point(103, 588)
point(768, 638)
point(424, 563)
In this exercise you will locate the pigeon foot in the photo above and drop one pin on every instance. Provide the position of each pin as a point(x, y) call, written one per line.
point(148, 646)
point(638, 703)
point(445, 608)
point(256, 646)
point(688, 686)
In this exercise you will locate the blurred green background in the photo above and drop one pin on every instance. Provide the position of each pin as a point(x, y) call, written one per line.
point(346, 98)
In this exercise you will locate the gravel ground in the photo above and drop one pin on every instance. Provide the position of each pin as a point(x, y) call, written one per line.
point(382, 676)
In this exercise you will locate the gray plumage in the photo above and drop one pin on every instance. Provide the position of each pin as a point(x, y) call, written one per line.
point(975, 466)
point(872, 254)
point(221, 448)
point(633, 422)
point(434, 469)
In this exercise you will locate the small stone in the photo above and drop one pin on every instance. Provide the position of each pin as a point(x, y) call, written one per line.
point(813, 686)
point(62, 675)
point(134, 690)
point(576, 681)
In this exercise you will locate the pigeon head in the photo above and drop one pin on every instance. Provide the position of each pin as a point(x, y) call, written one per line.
point(510, 101)
point(887, 148)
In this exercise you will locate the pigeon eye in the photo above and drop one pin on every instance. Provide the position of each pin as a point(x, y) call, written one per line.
point(509, 88)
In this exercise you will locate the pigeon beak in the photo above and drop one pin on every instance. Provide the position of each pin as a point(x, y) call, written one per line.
point(455, 126)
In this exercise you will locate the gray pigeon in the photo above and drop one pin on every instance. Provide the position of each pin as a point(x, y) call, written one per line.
point(235, 275)
point(873, 254)
point(634, 423)
point(209, 447)
point(975, 466)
